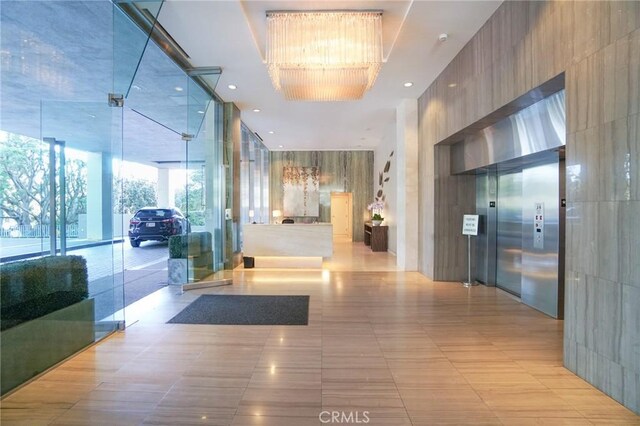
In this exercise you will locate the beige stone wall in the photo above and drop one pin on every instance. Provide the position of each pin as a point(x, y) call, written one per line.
point(524, 44)
point(340, 171)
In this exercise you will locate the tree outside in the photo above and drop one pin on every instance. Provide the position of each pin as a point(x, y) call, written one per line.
point(191, 201)
point(24, 181)
point(132, 194)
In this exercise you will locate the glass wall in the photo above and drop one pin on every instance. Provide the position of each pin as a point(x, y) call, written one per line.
point(61, 273)
point(254, 179)
point(77, 166)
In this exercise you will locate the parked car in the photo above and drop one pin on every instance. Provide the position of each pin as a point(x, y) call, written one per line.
point(157, 224)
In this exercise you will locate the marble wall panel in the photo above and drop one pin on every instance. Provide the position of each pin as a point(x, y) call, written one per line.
point(340, 171)
point(597, 46)
point(629, 246)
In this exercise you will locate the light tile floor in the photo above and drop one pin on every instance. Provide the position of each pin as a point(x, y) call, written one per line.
point(396, 345)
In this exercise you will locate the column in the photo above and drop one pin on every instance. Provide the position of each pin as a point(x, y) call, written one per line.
point(407, 181)
point(99, 195)
point(164, 194)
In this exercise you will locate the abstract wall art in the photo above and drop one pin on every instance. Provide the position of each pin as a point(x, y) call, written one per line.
point(301, 187)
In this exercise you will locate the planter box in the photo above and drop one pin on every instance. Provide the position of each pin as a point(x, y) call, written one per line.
point(194, 268)
point(34, 346)
point(178, 270)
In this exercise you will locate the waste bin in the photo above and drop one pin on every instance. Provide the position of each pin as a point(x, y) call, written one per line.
point(248, 262)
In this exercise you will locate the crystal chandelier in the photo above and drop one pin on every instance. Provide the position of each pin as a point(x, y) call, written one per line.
point(324, 56)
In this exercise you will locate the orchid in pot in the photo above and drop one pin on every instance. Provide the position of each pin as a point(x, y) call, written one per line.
point(376, 209)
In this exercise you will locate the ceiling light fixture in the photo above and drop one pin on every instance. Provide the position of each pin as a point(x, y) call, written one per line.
point(232, 86)
point(256, 110)
point(280, 146)
point(178, 89)
point(200, 112)
point(324, 56)
point(452, 85)
point(271, 132)
point(408, 84)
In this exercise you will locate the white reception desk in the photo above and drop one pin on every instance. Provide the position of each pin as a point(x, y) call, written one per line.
point(295, 245)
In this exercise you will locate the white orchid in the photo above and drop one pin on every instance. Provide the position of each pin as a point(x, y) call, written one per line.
point(376, 205)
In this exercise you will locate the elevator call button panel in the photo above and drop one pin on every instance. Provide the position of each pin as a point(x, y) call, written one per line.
point(538, 227)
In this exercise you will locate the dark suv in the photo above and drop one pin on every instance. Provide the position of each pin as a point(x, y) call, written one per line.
point(156, 224)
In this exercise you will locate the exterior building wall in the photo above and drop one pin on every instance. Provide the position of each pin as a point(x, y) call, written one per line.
point(524, 44)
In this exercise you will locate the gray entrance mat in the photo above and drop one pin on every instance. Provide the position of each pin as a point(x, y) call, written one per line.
point(227, 309)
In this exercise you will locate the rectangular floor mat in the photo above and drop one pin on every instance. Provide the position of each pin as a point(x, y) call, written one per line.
point(227, 309)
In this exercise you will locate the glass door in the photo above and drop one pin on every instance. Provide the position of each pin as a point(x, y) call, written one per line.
point(84, 141)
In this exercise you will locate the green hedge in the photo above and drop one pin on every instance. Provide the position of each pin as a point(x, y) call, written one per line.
point(193, 244)
point(32, 288)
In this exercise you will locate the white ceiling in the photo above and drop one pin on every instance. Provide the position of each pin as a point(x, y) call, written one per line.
point(231, 34)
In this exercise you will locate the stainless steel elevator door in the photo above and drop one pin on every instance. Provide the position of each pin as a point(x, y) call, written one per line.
point(541, 247)
point(509, 229)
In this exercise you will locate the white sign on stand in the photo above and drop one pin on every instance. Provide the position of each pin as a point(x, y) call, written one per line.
point(470, 224)
point(469, 228)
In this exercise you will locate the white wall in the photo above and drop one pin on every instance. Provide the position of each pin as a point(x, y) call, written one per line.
point(400, 148)
point(381, 155)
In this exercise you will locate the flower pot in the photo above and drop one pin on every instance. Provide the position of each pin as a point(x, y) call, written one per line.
point(376, 222)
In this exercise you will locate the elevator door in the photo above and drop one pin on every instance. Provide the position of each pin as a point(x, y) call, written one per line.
point(509, 230)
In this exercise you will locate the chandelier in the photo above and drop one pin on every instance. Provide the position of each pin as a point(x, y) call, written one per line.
point(324, 56)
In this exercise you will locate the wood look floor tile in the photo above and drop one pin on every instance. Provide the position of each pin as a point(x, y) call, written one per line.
point(280, 402)
point(275, 421)
point(200, 399)
point(455, 418)
point(286, 378)
point(395, 344)
point(33, 416)
point(354, 361)
point(290, 357)
point(544, 421)
point(357, 379)
point(487, 381)
point(77, 416)
point(179, 416)
point(380, 402)
point(527, 403)
point(593, 404)
point(421, 402)
point(434, 375)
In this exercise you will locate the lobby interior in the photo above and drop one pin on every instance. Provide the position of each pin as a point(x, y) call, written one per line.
point(393, 337)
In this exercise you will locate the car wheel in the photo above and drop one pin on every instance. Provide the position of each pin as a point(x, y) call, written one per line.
point(135, 243)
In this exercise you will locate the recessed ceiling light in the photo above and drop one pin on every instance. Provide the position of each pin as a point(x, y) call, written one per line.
point(135, 86)
point(256, 110)
point(178, 89)
point(408, 84)
point(232, 86)
point(453, 84)
point(280, 146)
point(271, 132)
point(200, 112)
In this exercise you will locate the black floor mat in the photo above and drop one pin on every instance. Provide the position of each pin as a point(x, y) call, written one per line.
point(229, 309)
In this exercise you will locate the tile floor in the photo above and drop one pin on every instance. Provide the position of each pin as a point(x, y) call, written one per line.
point(395, 345)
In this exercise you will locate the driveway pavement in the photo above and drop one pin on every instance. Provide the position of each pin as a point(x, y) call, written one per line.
point(142, 270)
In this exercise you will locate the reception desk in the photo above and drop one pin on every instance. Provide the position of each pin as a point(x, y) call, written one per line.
point(288, 245)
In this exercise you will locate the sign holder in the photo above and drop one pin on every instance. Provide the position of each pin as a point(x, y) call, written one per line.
point(469, 228)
